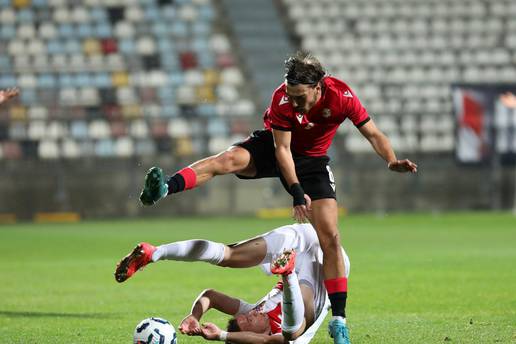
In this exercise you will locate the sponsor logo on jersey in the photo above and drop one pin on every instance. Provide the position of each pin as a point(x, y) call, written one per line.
point(299, 117)
point(348, 94)
point(283, 100)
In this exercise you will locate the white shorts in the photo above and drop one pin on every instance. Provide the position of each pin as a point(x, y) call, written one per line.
point(309, 258)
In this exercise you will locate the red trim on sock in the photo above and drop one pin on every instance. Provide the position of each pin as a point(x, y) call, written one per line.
point(336, 285)
point(189, 176)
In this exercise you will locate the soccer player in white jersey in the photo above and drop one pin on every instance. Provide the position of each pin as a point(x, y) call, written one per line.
point(292, 311)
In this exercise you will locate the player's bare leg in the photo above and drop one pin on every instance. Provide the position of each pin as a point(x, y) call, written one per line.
point(158, 185)
point(245, 254)
point(324, 219)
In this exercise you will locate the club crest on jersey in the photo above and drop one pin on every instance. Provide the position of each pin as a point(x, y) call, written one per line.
point(283, 100)
point(310, 125)
point(326, 113)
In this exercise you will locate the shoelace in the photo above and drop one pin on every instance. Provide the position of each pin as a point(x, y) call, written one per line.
point(343, 332)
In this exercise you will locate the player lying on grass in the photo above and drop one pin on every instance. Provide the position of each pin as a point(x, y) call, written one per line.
point(293, 310)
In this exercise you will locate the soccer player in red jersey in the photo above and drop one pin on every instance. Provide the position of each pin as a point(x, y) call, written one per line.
point(300, 123)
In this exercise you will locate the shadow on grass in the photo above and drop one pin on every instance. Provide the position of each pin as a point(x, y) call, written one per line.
point(22, 314)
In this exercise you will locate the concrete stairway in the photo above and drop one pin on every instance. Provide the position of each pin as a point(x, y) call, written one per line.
point(263, 41)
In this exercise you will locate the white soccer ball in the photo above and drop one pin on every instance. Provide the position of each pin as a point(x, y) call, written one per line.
point(154, 331)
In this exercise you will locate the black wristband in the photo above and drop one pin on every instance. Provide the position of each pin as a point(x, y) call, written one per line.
point(298, 194)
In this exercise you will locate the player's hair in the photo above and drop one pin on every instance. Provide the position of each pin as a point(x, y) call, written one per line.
point(232, 327)
point(303, 68)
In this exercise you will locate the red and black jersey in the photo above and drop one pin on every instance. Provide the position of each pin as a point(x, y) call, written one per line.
point(313, 132)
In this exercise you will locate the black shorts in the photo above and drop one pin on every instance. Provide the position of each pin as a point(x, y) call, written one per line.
point(314, 173)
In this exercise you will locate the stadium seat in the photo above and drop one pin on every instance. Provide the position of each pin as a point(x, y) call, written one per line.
point(124, 147)
point(48, 149)
point(70, 149)
point(99, 129)
point(11, 150)
point(102, 65)
point(17, 132)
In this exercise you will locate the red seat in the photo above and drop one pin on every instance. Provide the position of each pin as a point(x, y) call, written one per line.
point(112, 112)
point(159, 129)
point(118, 129)
point(188, 60)
point(225, 60)
point(12, 150)
point(109, 46)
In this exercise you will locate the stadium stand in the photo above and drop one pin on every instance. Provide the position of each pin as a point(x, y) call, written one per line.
point(122, 78)
point(263, 41)
point(401, 57)
point(118, 79)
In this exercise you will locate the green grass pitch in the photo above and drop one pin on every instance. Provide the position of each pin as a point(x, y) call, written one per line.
point(418, 278)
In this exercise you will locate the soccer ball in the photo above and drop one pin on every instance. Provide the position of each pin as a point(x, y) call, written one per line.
point(154, 331)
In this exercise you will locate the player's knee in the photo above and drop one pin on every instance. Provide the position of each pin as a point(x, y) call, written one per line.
point(292, 333)
point(228, 257)
point(228, 162)
point(330, 242)
point(288, 336)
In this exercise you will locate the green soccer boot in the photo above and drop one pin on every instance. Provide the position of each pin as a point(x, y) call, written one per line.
point(155, 187)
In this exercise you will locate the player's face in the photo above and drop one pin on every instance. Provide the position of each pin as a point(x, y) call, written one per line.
point(253, 321)
point(303, 97)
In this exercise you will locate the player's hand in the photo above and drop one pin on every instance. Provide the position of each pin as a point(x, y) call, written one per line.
point(7, 94)
point(402, 166)
point(509, 99)
point(301, 213)
point(210, 331)
point(190, 326)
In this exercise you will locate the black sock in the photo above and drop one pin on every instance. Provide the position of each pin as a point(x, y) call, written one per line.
point(176, 183)
point(338, 303)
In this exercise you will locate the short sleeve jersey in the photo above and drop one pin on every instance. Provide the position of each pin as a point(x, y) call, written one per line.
point(313, 132)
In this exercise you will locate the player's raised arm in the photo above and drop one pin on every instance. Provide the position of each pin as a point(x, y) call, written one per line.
point(383, 147)
point(7, 94)
point(206, 300)
point(288, 170)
